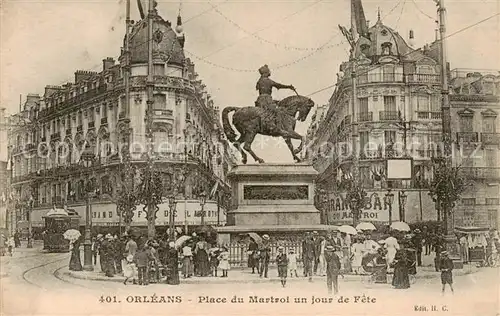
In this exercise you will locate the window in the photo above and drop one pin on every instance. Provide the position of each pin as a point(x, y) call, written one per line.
point(489, 124)
point(104, 110)
point(80, 118)
point(161, 141)
point(423, 103)
point(363, 105)
point(388, 72)
point(160, 102)
point(491, 158)
point(435, 103)
point(159, 69)
point(466, 124)
point(425, 70)
point(390, 103)
point(492, 201)
point(364, 139)
point(469, 201)
point(390, 137)
point(492, 219)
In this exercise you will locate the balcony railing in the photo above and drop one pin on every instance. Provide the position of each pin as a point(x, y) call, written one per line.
point(379, 77)
point(388, 116)
point(428, 115)
point(161, 113)
point(365, 117)
point(467, 137)
point(104, 120)
point(422, 78)
point(29, 146)
point(485, 173)
point(490, 138)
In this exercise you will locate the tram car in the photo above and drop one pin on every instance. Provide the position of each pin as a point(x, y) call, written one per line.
point(57, 222)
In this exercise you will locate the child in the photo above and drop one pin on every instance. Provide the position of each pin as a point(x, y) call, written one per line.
point(129, 269)
point(214, 261)
point(282, 262)
point(446, 266)
point(292, 263)
point(224, 262)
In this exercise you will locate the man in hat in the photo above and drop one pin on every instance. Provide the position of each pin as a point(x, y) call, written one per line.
point(265, 86)
point(308, 256)
point(417, 240)
point(332, 268)
point(107, 256)
point(282, 263)
point(265, 253)
point(446, 266)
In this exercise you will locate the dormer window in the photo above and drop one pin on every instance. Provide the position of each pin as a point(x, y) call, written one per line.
point(387, 48)
point(384, 32)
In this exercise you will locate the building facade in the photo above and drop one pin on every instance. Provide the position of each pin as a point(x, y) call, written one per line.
point(475, 104)
point(48, 136)
point(398, 115)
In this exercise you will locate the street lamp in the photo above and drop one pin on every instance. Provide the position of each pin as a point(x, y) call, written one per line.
point(172, 203)
point(203, 199)
point(389, 199)
point(87, 159)
point(30, 223)
point(402, 204)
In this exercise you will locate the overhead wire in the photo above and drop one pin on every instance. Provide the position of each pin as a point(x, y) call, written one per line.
point(400, 14)
point(422, 12)
point(254, 34)
point(379, 66)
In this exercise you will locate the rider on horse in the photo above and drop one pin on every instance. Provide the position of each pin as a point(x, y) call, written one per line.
point(265, 86)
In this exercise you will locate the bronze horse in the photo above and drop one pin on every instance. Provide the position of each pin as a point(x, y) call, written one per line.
point(251, 120)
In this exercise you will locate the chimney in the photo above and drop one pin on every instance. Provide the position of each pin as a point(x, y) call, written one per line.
point(411, 39)
point(83, 75)
point(107, 63)
point(32, 98)
point(49, 90)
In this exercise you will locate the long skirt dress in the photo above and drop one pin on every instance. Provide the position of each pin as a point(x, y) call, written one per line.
point(401, 279)
point(75, 264)
point(203, 262)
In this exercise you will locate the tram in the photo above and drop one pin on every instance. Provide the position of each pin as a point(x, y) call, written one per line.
point(57, 222)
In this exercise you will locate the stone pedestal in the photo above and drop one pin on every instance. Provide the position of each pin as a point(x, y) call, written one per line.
point(272, 199)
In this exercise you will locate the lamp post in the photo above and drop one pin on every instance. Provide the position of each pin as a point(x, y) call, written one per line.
point(203, 199)
point(402, 204)
point(172, 203)
point(88, 158)
point(389, 199)
point(30, 223)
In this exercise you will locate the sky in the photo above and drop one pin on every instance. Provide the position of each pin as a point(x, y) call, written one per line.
point(43, 42)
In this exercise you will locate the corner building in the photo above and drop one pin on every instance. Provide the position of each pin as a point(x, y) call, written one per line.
point(398, 111)
point(187, 137)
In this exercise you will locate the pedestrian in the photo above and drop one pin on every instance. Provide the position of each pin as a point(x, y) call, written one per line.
point(253, 248)
point(129, 269)
point(107, 259)
point(118, 251)
point(214, 261)
point(224, 261)
point(11, 244)
point(282, 263)
point(172, 264)
point(142, 259)
point(95, 249)
point(317, 251)
point(322, 262)
point(17, 239)
point(265, 253)
point(187, 261)
point(357, 250)
point(446, 267)
point(292, 263)
point(401, 279)
point(308, 256)
point(417, 243)
point(332, 269)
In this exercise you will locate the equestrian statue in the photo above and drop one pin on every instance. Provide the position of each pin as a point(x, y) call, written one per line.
point(267, 117)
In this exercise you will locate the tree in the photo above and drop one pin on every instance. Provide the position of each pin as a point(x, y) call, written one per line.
point(149, 194)
point(446, 187)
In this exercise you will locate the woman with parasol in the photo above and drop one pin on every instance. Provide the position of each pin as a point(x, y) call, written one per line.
point(75, 264)
point(253, 252)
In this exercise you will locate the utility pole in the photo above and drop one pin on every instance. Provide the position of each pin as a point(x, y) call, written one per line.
point(446, 160)
point(355, 153)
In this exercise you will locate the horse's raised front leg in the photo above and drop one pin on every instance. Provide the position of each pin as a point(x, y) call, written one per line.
point(237, 144)
point(288, 142)
point(249, 137)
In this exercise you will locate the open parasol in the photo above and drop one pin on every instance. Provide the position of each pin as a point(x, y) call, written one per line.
point(365, 226)
point(348, 230)
point(255, 237)
point(72, 235)
point(401, 226)
point(181, 240)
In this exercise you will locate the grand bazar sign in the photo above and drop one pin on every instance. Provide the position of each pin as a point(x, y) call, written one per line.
point(376, 208)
